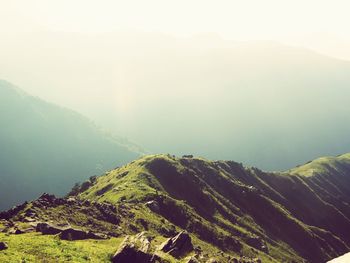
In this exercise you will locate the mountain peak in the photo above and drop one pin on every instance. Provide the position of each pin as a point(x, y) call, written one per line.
point(224, 192)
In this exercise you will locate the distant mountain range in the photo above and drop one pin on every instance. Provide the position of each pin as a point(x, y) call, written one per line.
point(261, 103)
point(169, 209)
point(44, 147)
point(264, 104)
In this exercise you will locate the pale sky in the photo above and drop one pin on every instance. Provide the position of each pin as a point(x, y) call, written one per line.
point(319, 24)
point(93, 56)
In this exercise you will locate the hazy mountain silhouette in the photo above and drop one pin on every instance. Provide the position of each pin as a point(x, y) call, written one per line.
point(262, 103)
point(47, 148)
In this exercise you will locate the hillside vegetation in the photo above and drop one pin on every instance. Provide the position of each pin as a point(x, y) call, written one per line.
point(231, 212)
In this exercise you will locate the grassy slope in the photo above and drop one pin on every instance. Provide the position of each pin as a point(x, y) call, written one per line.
point(33, 247)
point(197, 198)
point(221, 203)
point(294, 214)
point(322, 165)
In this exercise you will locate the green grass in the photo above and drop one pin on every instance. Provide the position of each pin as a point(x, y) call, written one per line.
point(219, 203)
point(154, 175)
point(323, 165)
point(131, 182)
point(34, 247)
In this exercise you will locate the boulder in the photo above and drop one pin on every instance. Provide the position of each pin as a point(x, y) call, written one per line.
point(177, 246)
point(3, 246)
point(73, 234)
point(48, 229)
point(153, 206)
point(135, 249)
point(129, 253)
point(78, 234)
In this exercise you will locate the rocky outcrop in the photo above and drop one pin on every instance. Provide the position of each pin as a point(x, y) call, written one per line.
point(48, 229)
point(47, 200)
point(177, 246)
point(77, 234)
point(153, 206)
point(73, 234)
point(129, 253)
point(135, 249)
point(37, 213)
point(67, 232)
point(3, 246)
point(13, 211)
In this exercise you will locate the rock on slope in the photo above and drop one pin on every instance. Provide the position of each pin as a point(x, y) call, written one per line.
point(229, 210)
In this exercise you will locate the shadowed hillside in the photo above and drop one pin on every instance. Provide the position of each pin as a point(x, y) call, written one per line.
point(47, 148)
point(292, 213)
point(231, 212)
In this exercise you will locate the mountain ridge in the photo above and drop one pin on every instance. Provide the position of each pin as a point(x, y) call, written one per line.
point(240, 211)
point(257, 187)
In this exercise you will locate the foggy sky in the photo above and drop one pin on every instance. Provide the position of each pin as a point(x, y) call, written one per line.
point(205, 71)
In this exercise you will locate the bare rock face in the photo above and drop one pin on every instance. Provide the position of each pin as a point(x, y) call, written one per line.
point(67, 232)
point(3, 246)
point(48, 229)
point(143, 241)
point(135, 249)
point(13, 211)
point(153, 206)
point(77, 234)
point(129, 253)
point(177, 246)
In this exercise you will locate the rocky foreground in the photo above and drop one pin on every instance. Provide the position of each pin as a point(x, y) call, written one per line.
point(104, 219)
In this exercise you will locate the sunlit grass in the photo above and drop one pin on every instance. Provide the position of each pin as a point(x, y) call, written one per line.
point(34, 247)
